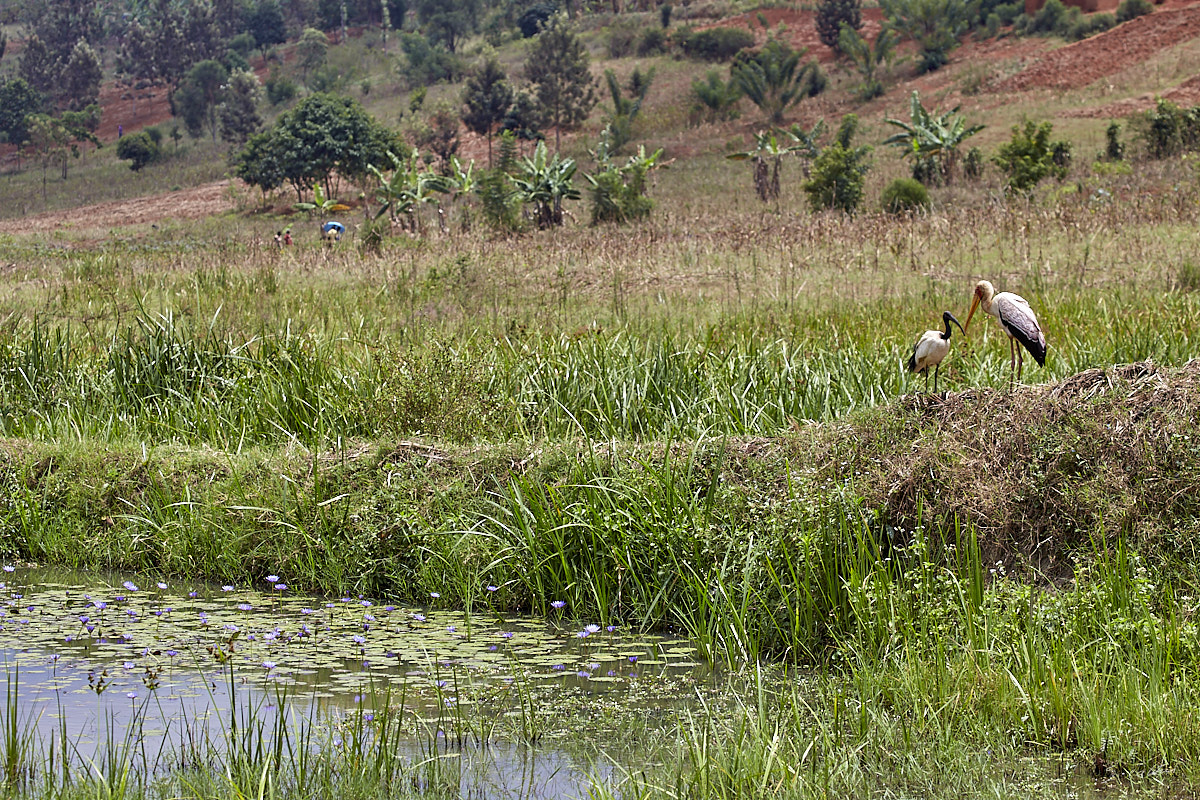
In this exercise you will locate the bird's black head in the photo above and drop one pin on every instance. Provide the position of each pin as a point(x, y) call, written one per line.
point(947, 318)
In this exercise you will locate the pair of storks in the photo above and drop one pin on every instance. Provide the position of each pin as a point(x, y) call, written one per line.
point(1015, 317)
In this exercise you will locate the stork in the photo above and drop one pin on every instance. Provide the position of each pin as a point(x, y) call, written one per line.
point(931, 348)
point(1017, 319)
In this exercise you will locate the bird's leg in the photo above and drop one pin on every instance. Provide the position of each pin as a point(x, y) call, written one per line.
point(926, 371)
point(1012, 362)
point(936, 367)
point(1020, 362)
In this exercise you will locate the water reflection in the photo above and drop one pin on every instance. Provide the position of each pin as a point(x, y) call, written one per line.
point(169, 668)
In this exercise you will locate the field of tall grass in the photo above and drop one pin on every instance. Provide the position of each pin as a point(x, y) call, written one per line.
point(700, 422)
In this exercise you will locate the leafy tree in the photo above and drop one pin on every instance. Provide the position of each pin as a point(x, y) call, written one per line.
point(197, 98)
point(39, 68)
point(839, 171)
point(868, 58)
point(56, 140)
point(774, 79)
point(832, 15)
point(1029, 156)
point(173, 38)
point(715, 98)
point(81, 77)
point(534, 18)
point(932, 141)
point(437, 132)
point(397, 11)
point(323, 137)
point(557, 66)
point(934, 25)
point(486, 99)
point(448, 21)
point(428, 63)
point(311, 52)
point(61, 24)
point(264, 21)
point(239, 108)
point(139, 149)
point(3, 42)
point(17, 101)
point(545, 183)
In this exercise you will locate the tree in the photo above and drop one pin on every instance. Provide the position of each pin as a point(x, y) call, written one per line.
point(137, 148)
point(486, 99)
point(264, 21)
point(324, 137)
point(311, 51)
point(197, 98)
point(934, 25)
point(17, 101)
point(868, 58)
point(774, 80)
point(81, 78)
point(557, 66)
point(448, 21)
point(619, 193)
point(832, 15)
point(838, 172)
point(56, 140)
point(239, 108)
point(768, 146)
point(39, 68)
point(932, 141)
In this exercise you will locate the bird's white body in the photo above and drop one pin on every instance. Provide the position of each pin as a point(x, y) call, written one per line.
point(929, 350)
point(1015, 318)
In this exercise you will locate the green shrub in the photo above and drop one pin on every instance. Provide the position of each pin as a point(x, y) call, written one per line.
point(973, 164)
point(664, 15)
point(1114, 148)
point(993, 25)
point(715, 44)
point(838, 172)
point(1049, 19)
point(429, 63)
point(904, 195)
point(653, 42)
point(1168, 129)
point(622, 38)
point(1188, 279)
point(137, 148)
point(1009, 12)
point(280, 89)
point(1030, 156)
point(1130, 9)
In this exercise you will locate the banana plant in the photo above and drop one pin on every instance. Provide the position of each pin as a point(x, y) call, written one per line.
point(545, 182)
point(769, 148)
point(932, 141)
point(321, 203)
point(406, 189)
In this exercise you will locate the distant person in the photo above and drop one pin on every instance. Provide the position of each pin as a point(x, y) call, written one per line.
point(332, 231)
point(120, 131)
point(278, 239)
point(287, 237)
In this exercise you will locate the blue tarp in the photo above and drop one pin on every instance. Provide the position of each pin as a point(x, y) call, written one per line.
point(333, 226)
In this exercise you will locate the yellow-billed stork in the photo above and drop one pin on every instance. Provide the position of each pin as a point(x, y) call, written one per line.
point(931, 348)
point(1017, 319)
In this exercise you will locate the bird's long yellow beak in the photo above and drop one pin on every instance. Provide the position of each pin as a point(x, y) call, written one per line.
point(971, 313)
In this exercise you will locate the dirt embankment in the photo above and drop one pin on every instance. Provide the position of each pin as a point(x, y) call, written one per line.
point(1083, 63)
point(193, 202)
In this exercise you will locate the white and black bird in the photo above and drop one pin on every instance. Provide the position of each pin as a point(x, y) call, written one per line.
point(931, 348)
point(1017, 319)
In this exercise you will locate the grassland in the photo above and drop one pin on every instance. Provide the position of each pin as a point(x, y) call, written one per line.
point(699, 422)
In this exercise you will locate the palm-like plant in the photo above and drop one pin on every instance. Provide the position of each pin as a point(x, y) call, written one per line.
point(932, 141)
point(867, 57)
point(545, 182)
point(774, 79)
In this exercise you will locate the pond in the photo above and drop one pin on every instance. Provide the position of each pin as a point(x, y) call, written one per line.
point(161, 667)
